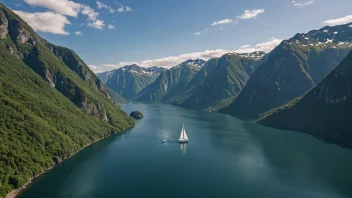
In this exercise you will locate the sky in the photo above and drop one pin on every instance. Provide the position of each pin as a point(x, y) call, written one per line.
point(108, 34)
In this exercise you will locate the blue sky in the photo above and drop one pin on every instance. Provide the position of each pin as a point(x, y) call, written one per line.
point(166, 32)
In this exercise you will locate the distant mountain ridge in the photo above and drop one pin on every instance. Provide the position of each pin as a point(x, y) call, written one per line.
point(219, 81)
point(324, 111)
point(170, 82)
point(293, 68)
point(196, 62)
point(129, 80)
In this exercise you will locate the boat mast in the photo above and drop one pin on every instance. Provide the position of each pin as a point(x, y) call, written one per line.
point(183, 131)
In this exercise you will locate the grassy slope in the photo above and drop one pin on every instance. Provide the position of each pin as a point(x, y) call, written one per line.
point(41, 125)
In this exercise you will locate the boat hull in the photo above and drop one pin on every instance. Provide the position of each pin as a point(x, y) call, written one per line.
point(182, 141)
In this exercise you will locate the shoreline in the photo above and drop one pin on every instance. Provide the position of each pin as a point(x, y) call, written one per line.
point(14, 193)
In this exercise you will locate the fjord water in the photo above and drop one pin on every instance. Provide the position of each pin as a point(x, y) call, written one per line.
point(226, 157)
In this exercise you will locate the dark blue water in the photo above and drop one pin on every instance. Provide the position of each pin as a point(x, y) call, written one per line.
point(226, 157)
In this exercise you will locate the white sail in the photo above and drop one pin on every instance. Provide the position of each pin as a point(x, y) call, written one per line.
point(185, 134)
point(183, 137)
point(182, 134)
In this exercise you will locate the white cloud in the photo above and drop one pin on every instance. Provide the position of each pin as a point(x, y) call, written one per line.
point(104, 6)
point(265, 47)
point(251, 14)
point(94, 22)
point(339, 21)
point(171, 61)
point(201, 32)
point(65, 7)
point(78, 33)
point(98, 24)
point(95, 69)
point(221, 22)
point(70, 8)
point(123, 8)
point(48, 22)
point(296, 4)
point(92, 15)
point(111, 27)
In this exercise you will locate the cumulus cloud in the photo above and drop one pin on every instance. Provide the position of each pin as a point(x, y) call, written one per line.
point(265, 47)
point(296, 4)
point(221, 22)
point(48, 22)
point(92, 15)
point(70, 8)
point(79, 33)
point(251, 14)
point(201, 32)
point(339, 21)
point(65, 7)
point(98, 24)
point(171, 61)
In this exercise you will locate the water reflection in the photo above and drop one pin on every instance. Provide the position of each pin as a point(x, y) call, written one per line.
point(183, 148)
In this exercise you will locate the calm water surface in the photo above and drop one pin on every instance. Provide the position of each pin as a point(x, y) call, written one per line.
point(226, 157)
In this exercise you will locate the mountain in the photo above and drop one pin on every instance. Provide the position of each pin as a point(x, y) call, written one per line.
point(51, 104)
point(292, 68)
point(170, 83)
point(324, 111)
point(128, 81)
point(115, 97)
point(197, 62)
point(219, 81)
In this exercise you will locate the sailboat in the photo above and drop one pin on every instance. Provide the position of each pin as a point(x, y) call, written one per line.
point(183, 137)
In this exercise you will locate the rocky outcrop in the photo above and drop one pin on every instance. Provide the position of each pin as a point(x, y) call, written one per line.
point(93, 108)
point(49, 78)
point(4, 25)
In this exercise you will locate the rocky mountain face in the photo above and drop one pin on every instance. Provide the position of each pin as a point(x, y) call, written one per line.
point(51, 104)
point(324, 111)
point(170, 83)
point(219, 81)
point(196, 62)
point(128, 81)
point(59, 66)
point(292, 68)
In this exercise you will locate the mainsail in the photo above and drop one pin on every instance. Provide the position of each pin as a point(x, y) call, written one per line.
point(183, 135)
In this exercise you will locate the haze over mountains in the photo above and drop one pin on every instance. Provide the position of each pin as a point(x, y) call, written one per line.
point(128, 81)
